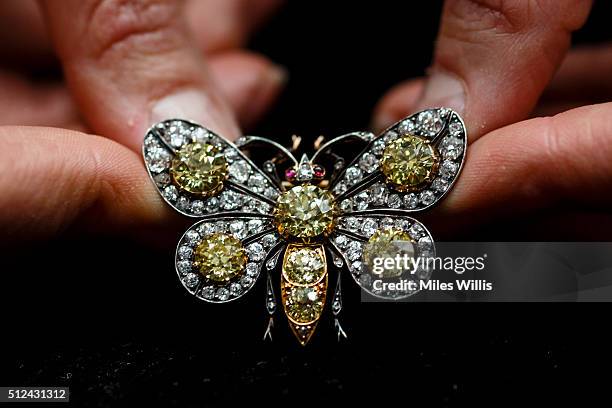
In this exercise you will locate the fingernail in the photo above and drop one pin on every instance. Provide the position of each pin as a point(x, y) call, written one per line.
point(264, 89)
point(200, 107)
point(443, 89)
point(382, 121)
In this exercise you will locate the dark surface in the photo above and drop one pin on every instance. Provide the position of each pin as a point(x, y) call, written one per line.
point(109, 318)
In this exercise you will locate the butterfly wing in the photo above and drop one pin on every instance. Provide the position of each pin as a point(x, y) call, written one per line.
point(245, 188)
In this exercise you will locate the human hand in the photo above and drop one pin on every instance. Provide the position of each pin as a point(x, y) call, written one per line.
point(127, 65)
point(493, 61)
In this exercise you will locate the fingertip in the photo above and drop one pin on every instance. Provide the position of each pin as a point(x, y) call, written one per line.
point(398, 103)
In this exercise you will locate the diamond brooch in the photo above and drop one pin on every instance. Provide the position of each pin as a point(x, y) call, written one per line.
point(303, 223)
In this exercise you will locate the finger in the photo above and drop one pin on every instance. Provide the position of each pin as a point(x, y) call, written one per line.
point(23, 38)
point(510, 172)
point(132, 64)
point(493, 59)
point(250, 83)
point(219, 25)
point(53, 179)
point(397, 102)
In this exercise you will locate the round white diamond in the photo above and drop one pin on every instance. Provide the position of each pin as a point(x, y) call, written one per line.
point(238, 228)
point(191, 280)
point(255, 225)
point(361, 201)
point(199, 135)
point(235, 289)
point(208, 292)
point(192, 237)
point(390, 136)
point(257, 183)
point(357, 266)
point(427, 197)
point(305, 172)
point(353, 252)
point(171, 193)
point(455, 128)
point(271, 193)
point(230, 154)
point(185, 252)
point(452, 147)
point(378, 147)
point(439, 185)
point(252, 269)
point(351, 223)
point(378, 194)
point(246, 281)
point(346, 205)
point(158, 159)
point(416, 231)
point(353, 175)
point(255, 251)
point(212, 205)
point(448, 169)
point(197, 207)
point(162, 180)
point(394, 201)
point(183, 203)
point(239, 171)
point(338, 261)
point(368, 162)
point(206, 229)
point(183, 267)
point(387, 222)
point(268, 240)
point(369, 227)
point(340, 188)
point(341, 241)
point(403, 225)
point(411, 201)
point(430, 122)
point(365, 280)
point(406, 127)
point(222, 294)
point(229, 200)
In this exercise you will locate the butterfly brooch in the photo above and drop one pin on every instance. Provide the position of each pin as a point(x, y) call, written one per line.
point(298, 220)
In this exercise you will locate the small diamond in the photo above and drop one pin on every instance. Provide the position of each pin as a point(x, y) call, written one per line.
point(378, 147)
point(448, 169)
point(230, 200)
point(340, 188)
point(406, 127)
point(346, 205)
point(255, 251)
point(238, 229)
point(357, 266)
point(430, 122)
point(403, 225)
point(269, 167)
point(378, 194)
point(162, 180)
point(341, 241)
point(255, 226)
point(353, 175)
point(185, 252)
point(257, 183)
point(411, 201)
point(222, 294)
point(351, 223)
point(365, 280)
point(271, 193)
point(197, 207)
point(183, 267)
point(425, 243)
point(268, 240)
point(171, 193)
point(353, 252)
point(304, 172)
point(191, 280)
point(208, 292)
point(271, 263)
point(416, 230)
point(192, 237)
point(199, 135)
point(206, 229)
point(158, 159)
point(427, 197)
point(369, 227)
point(337, 261)
point(252, 269)
point(452, 147)
point(212, 205)
point(177, 139)
point(246, 281)
point(239, 171)
point(361, 200)
point(230, 154)
point(235, 289)
point(241, 141)
point(439, 185)
point(183, 203)
point(390, 136)
point(394, 201)
point(455, 128)
point(387, 223)
point(368, 162)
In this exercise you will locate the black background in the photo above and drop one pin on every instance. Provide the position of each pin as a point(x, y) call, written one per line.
point(108, 317)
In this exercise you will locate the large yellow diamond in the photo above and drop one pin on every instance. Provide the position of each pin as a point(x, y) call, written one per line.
point(409, 162)
point(199, 168)
point(304, 211)
point(220, 257)
point(389, 243)
point(304, 304)
point(304, 265)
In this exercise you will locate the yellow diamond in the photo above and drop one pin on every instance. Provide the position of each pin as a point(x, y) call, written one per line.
point(389, 243)
point(304, 304)
point(220, 257)
point(199, 168)
point(304, 265)
point(409, 162)
point(304, 211)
